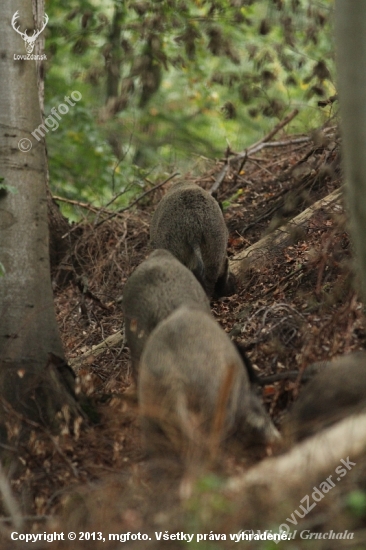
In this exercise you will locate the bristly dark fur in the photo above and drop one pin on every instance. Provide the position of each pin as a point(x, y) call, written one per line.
point(189, 223)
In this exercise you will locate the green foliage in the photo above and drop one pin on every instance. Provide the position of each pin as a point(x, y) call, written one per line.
point(206, 503)
point(6, 188)
point(356, 503)
point(226, 204)
point(162, 80)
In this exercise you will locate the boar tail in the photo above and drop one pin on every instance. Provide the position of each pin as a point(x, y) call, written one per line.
point(198, 267)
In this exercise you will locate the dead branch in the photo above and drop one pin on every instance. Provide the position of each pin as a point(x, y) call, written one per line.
point(119, 212)
point(110, 342)
point(24, 419)
point(260, 146)
point(137, 200)
point(85, 205)
point(257, 146)
point(284, 279)
point(221, 176)
point(281, 235)
point(277, 128)
point(287, 478)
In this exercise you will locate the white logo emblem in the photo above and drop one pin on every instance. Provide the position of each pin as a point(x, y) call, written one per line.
point(29, 40)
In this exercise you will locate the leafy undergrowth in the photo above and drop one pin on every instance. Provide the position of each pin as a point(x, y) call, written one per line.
point(297, 306)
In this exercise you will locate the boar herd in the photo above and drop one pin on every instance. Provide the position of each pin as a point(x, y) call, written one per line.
point(195, 388)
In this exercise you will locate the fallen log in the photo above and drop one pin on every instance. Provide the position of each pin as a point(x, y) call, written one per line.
point(283, 235)
point(318, 463)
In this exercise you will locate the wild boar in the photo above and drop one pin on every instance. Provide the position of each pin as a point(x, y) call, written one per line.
point(194, 389)
point(156, 288)
point(189, 223)
point(336, 391)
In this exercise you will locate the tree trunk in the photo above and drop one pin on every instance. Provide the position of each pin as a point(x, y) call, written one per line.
point(350, 27)
point(58, 225)
point(38, 14)
point(113, 62)
point(31, 355)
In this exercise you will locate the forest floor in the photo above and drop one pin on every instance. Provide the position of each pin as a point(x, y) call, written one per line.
point(301, 306)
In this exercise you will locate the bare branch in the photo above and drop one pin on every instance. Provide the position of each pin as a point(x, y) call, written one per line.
point(138, 199)
point(257, 146)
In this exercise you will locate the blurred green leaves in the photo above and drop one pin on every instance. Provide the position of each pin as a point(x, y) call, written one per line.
point(164, 80)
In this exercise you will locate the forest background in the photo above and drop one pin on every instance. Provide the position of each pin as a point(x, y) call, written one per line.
point(166, 85)
point(163, 87)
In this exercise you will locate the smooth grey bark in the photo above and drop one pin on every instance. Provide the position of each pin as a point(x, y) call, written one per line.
point(27, 320)
point(38, 14)
point(350, 31)
point(58, 226)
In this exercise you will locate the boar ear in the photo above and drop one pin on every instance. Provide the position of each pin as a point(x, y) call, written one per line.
point(253, 378)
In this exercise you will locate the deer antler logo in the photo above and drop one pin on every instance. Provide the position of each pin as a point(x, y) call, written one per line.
point(29, 40)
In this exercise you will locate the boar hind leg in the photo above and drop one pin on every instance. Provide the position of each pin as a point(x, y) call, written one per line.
point(226, 283)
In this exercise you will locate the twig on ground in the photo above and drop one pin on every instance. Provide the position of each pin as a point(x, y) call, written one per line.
point(109, 342)
point(257, 146)
point(12, 412)
point(286, 278)
point(283, 143)
point(261, 168)
point(276, 199)
point(137, 200)
point(85, 205)
point(119, 212)
point(277, 128)
point(85, 291)
point(125, 190)
point(221, 176)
